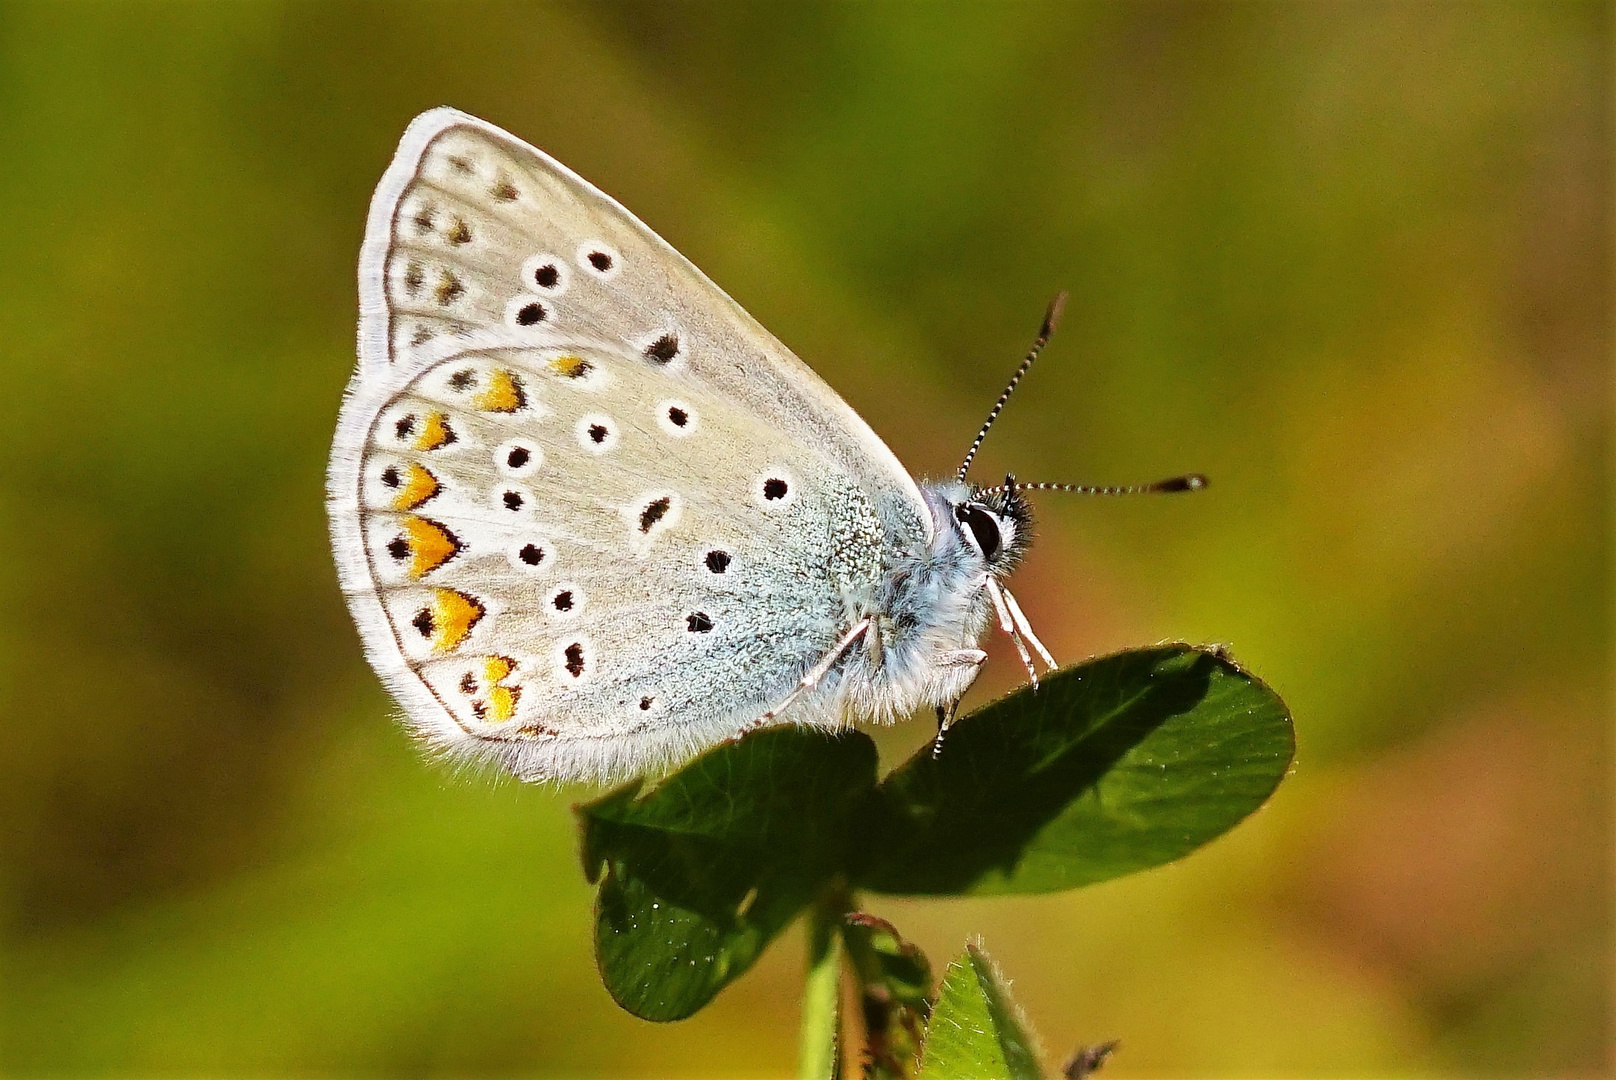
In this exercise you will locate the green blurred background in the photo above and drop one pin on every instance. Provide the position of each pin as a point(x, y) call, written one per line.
point(1354, 261)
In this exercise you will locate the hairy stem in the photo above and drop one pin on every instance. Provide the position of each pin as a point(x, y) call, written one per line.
point(819, 1048)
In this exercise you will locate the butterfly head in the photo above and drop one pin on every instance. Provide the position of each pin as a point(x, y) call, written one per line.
point(996, 523)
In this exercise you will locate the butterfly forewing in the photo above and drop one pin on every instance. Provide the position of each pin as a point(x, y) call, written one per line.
point(473, 229)
point(589, 516)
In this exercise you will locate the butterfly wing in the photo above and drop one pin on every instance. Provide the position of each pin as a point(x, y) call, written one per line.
point(589, 516)
point(472, 229)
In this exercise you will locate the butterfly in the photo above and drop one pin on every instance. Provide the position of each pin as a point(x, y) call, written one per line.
point(591, 518)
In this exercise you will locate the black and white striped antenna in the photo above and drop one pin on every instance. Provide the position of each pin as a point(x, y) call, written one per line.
point(1045, 332)
point(1173, 484)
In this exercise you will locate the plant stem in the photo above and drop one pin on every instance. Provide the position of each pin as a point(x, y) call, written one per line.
point(819, 1048)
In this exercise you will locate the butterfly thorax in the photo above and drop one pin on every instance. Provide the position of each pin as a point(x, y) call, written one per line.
point(933, 606)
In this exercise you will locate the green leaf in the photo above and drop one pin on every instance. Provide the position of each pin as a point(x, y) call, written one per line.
point(703, 870)
point(976, 1032)
point(1109, 767)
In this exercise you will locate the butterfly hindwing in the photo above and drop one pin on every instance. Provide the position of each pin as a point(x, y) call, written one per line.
point(582, 569)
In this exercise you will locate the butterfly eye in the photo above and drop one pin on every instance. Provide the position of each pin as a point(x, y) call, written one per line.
point(984, 527)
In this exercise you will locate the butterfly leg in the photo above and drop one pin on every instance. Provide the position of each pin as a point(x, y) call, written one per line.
point(1020, 619)
point(1008, 625)
point(945, 717)
point(945, 713)
point(811, 680)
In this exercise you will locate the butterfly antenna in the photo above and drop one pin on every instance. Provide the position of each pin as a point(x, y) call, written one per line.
point(1173, 484)
point(1051, 320)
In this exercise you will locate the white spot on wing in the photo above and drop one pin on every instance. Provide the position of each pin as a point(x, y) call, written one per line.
point(649, 515)
point(564, 602)
point(528, 312)
point(593, 252)
point(676, 418)
point(527, 456)
point(536, 269)
point(775, 488)
point(512, 501)
point(664, 348)
point(574, 660)
point(597, 433)
point(532, 555)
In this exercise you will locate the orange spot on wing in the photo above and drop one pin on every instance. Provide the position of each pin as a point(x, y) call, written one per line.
point(419, 486)
point(502, 703)
point(503, 394)
point(431, 545)
point(572, 367)
point(453, 615)
point(499, 703)
point(435, 432)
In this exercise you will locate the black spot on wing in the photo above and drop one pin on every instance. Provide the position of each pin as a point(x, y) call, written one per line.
point(654, 512)
point(663, 349)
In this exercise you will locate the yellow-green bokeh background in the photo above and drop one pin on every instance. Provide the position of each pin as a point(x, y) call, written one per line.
point(1352, 260)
